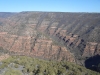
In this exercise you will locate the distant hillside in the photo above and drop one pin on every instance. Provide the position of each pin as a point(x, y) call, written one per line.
point(5, 14)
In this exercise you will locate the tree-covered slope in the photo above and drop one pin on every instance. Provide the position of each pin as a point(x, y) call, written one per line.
point(23, 65)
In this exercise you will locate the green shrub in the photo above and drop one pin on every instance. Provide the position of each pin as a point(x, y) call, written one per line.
point(12, 72)
point(3, 66)
point(24, 70)
point(16, 65)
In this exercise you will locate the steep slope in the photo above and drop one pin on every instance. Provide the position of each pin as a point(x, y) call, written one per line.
point(52, 35)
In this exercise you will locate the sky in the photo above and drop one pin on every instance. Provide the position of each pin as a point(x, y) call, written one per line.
point(50, 5)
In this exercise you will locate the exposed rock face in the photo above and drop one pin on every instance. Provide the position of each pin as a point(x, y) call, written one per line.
point(59, 36)
point(37, 46)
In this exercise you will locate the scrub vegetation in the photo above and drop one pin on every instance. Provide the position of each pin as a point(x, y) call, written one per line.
point(22, 65)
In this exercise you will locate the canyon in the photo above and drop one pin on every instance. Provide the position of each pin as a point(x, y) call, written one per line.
point(73, 37)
